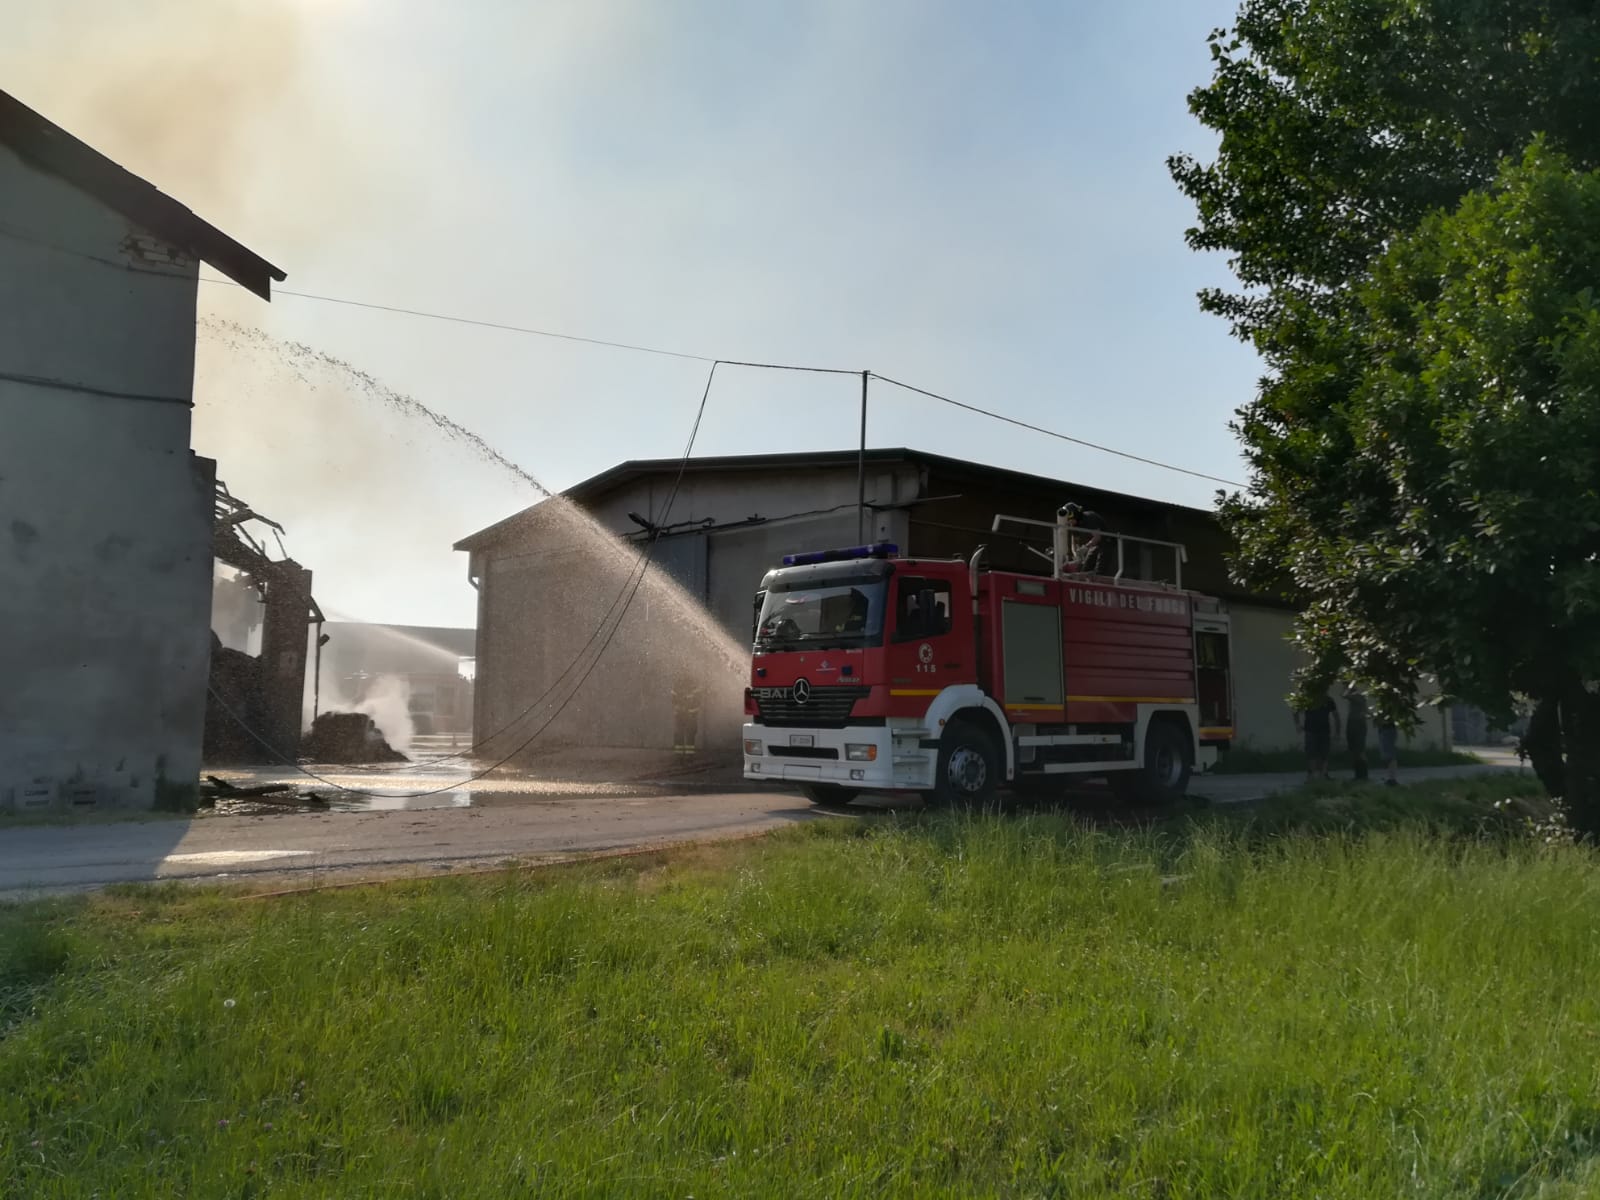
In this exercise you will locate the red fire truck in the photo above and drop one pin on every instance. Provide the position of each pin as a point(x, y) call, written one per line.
point(873, 672)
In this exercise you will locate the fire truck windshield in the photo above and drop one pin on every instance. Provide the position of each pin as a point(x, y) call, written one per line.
point(840, 615)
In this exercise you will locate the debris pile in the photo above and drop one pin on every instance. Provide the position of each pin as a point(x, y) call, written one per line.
point(348, 738)
point(215, 789)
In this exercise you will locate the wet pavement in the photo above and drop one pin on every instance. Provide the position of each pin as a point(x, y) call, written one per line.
point(428, 785)
point(301, 848)
point(435, 782)
point(422, 819)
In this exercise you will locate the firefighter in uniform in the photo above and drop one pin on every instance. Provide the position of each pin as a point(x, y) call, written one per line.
point(685, 714)
point(1085, 526)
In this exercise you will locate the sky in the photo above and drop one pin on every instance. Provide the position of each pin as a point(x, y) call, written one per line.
point(972, 198)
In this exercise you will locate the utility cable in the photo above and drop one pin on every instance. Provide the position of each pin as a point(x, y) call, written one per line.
point(639, 348)
point(545, 333)
point(433, 760)
point(755, 522)
point(728, 362)
point(630, 592)
point(984, 412)
point(399, 768)
point(626, 595)
point(457, 320)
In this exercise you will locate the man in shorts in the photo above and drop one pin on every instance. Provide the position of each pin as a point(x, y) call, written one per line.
point(1320, 724)
point(1389, 751)
point(1355, 731)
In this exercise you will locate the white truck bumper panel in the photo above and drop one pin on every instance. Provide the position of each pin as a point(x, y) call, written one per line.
point(865, 757)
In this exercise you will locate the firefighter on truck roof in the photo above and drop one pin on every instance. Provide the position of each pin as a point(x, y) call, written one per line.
point(1085, 526)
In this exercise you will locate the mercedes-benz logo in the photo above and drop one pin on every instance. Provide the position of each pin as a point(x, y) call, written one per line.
point(802, 691)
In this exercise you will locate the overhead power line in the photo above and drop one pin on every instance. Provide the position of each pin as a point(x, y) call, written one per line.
point(1076, 441)
point(625, 597)
point(457, 320)
point(639, 348)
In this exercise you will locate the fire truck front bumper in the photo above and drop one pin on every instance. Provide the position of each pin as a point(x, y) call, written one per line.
point(860, 757)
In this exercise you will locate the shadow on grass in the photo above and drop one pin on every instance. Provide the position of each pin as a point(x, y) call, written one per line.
point(1494, 808)
point(1244, 761)
point(37, 944)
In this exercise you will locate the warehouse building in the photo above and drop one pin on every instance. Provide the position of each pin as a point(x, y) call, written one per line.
point(543, 586)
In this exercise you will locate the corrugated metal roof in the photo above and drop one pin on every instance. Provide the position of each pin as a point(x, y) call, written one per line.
point(51, 149)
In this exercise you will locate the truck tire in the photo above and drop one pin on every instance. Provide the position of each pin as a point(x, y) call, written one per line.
point(969, 767)
point(828, 795)
point(1164, 776)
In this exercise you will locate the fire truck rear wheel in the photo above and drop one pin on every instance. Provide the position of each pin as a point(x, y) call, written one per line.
point(1168, 762)
point(827, 795)
point(969, 766)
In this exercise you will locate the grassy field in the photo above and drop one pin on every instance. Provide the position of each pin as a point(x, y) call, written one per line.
point(1325, 1000)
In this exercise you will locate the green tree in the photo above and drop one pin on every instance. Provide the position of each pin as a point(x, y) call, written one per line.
point(1405, 189)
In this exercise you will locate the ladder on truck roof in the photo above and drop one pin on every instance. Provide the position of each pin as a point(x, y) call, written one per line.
point(1060, 553)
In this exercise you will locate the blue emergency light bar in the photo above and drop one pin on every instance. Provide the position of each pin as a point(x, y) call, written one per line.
point(876, 550)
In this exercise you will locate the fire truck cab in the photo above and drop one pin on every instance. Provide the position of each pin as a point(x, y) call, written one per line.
point(873, 672)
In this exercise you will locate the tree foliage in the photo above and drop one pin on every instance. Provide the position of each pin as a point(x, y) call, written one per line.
point(1406, 190)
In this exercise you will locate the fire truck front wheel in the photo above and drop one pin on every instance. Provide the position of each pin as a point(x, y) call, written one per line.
point(969, 766)
point(827, 795)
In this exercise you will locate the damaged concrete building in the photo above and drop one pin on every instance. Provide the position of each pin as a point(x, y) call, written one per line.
point(256, 699)
point(540, 597)
point(106, 514)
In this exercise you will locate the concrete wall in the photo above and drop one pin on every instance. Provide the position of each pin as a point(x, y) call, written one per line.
point(546, 618)
point(544, 593)
point(105, 515)
point(1264, 660)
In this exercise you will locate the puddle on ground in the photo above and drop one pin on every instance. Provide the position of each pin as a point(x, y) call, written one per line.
point(223, 858)
point(404, 801)
point(287, 803)
point(407, 792)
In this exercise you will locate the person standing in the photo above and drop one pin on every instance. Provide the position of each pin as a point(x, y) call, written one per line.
point(1389, 751)
point(1319, 722)
point(1085, 528)
point(1355, 730)
point(685, 714)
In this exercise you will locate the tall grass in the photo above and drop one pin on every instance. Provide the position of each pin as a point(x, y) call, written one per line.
point(1286, 760)
point(960, 1005)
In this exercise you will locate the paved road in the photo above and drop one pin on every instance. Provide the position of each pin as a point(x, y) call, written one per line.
point(375, 837)
point(333, 846)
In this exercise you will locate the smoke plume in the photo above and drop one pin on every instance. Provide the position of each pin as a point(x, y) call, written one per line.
point(386, 699)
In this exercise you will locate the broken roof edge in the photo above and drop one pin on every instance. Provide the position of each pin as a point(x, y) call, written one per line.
point(44, 145)
point(622, 472)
